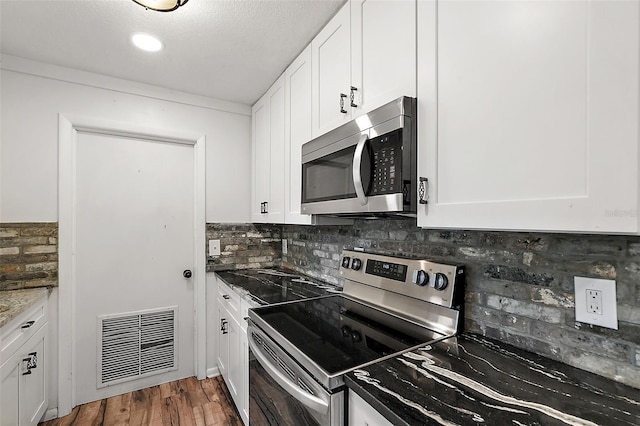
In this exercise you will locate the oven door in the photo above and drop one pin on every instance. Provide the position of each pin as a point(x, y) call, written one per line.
point(365, 173)
point(336, 178)
point(282, 393)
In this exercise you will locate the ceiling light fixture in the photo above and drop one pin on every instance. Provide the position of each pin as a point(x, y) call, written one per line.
point(146, 42)
point(161, 5)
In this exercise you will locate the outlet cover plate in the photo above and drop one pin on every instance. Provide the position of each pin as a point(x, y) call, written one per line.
point(609, 308)
point(214, 247)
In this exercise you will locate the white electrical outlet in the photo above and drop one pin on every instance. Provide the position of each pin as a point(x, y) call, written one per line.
point(284, 246)
point(595, 301)
point(214, 247)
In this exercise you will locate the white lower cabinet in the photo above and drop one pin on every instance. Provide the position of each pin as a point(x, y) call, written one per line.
point(234, 373)
point(222, 338)
point(363, 414)
point(23, 374)
point(10, 378)
point(244, 364)
point(232, 346)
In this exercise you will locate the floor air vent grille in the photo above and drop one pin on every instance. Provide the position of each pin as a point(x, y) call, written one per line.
point(136, 344)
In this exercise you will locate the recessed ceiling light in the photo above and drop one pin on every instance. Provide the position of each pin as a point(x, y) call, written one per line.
point(146, 42)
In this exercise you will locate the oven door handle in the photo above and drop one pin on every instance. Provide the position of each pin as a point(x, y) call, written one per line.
point(357, 161)
point(310, 401)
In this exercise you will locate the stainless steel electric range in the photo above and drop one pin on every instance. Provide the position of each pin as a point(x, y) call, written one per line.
point(299, 351)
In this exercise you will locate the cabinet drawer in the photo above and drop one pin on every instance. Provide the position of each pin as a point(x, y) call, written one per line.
point(231, 298)
point(21, 328)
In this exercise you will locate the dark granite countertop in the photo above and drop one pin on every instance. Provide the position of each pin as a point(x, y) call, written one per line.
point(471, 380)
point(274, 285)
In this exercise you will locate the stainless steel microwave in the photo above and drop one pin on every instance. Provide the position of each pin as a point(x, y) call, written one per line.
point(366, 167)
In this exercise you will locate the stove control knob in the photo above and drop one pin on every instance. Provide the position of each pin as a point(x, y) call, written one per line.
point(420, 277)
point(356, 264)
point(355, 336)
point(345, 261)
point(440, 282)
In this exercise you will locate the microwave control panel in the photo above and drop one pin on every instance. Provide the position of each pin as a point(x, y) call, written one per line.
point(386, 152)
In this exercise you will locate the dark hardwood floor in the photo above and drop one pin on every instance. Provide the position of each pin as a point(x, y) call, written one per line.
point(184, 402)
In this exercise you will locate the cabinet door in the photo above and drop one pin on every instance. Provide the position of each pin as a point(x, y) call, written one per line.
point(222, 337)
point(276, 98)
point(260, 153)
point(363, 414)
point(528, 115)
point(33, 389)
point(10, 376)
point(298, 131)
point(244, 369)
point(383, 52)
point(234, 378)
point(23, 390)
point(331, 65)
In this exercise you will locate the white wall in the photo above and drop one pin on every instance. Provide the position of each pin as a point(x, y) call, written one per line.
point(33, 94)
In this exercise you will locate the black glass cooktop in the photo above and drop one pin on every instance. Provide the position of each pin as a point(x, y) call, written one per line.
point(338, 333)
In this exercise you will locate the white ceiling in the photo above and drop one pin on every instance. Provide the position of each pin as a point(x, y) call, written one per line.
point(224, 49)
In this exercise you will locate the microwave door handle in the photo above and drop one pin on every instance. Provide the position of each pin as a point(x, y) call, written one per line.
point(310, 401)
point(357, 179)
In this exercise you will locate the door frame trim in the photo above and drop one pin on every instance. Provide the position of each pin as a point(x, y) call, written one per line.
point(68, 127)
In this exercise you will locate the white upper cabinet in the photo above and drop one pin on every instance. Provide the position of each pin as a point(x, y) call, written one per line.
point(277, 127)
point(268, 118)
point(260, 159)
point(528, 115)
point(297, 132)
point(383, 52)
point(331, 59)
point(364, 58)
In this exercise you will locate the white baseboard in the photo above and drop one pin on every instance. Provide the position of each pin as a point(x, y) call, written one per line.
point(50, 414)
point(213, 372)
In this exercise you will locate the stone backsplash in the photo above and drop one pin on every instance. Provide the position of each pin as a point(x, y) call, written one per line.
point(28, 255)
point(244, 246)
point(519, 286)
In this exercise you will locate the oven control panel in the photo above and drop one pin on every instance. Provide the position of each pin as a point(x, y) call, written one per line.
point(417, 278)
point(393, 271)
point(387, 163)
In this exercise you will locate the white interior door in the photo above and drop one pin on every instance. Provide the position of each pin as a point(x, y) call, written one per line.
point(134, 237)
